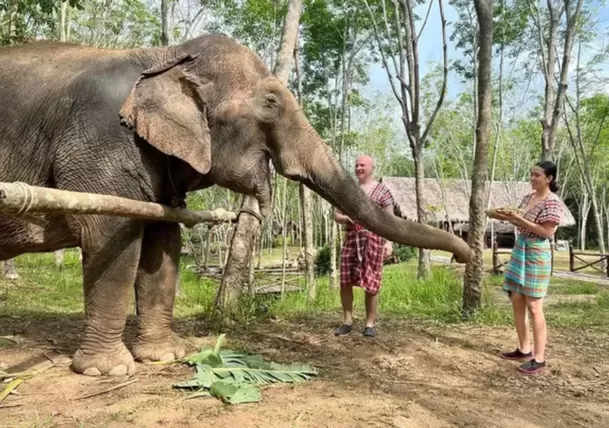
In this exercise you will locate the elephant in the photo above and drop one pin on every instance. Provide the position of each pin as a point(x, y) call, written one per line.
point(152, 124)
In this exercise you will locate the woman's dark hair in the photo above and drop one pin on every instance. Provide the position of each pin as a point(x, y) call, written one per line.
point(550, 170)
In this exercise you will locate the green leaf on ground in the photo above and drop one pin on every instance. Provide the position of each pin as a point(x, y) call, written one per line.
point(233, 376)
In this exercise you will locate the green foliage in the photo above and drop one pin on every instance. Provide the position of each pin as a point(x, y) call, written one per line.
point(403, 253)
point(21, 20)
point(233, 376)
point(323, 259)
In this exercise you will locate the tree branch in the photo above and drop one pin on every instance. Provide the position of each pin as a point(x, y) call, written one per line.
point(444, 77)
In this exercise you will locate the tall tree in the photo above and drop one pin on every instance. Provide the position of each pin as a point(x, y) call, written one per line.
point(305, 203)
point(477, 221)
point(248, 224)
point(548, 46)
point(401, 63)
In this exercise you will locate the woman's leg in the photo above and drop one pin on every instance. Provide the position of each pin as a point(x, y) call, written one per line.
point(535, 307)
point(520, 321)
point(538, 363)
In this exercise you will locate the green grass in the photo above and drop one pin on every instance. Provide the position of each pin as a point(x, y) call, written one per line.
point(47, 289)
point(574, 287)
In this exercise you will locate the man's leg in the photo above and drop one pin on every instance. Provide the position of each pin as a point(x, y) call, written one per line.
point(346, 299)
point(371, 303)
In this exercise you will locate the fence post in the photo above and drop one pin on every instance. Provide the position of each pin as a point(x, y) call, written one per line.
point(494, 246)
point(571, 257)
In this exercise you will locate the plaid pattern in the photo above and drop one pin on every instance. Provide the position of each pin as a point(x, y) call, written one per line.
point(361, 258)
point(548, 210)
point(530, 267)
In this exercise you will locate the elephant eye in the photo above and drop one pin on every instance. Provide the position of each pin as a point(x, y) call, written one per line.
point(271, 100)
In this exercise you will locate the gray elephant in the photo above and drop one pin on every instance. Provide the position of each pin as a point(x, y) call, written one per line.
point(152, 125)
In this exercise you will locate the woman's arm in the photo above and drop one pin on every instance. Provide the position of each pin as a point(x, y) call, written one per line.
point(546, 229)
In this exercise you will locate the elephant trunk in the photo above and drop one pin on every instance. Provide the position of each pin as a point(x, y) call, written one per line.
point(324, 175)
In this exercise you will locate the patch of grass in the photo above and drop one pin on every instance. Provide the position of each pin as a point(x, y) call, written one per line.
point(43, 287)
point(572, 287)
point(47, 289)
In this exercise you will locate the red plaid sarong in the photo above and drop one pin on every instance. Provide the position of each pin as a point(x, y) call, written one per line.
point(361, 258)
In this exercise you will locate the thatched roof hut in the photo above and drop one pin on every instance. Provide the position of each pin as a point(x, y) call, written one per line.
point(447, 200)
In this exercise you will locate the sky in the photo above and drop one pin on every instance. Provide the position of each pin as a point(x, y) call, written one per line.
point(430, 51)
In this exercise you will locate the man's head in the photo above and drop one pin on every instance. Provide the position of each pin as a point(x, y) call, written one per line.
point(364, 167)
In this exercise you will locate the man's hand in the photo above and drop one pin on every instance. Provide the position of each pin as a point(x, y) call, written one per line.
point(387, 250)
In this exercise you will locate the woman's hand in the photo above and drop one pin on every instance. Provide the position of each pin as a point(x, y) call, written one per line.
point(514, 218)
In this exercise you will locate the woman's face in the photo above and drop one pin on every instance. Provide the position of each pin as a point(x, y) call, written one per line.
point(539, 179)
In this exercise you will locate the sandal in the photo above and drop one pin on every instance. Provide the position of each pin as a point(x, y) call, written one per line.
point(369, 331)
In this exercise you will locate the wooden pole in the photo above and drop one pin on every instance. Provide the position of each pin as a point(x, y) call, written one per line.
point(495, 247)
point(19, 199)
point(571, 257)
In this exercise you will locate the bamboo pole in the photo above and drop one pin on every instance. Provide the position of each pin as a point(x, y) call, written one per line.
point(19, 199)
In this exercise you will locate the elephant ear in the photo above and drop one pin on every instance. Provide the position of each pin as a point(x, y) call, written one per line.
point(167, 108)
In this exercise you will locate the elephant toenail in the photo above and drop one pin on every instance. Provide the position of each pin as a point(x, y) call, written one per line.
point(120, 370)
point(167, 357)
point(92, 371)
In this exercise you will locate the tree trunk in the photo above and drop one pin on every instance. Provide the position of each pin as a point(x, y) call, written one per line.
point(10, 272)
point(164, 23)
point(477, 221)
point(564, 72)
point(305, 203)
point(423, 266)
point(64, 24)
point(583, 219)
point(248, 225)
point(334, 275)
point(284, 234)
point(58, 257)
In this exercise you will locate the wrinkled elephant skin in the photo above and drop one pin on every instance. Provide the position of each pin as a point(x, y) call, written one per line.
point(152, 125)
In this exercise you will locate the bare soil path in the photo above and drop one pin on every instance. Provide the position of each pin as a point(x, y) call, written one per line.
point(414, 374)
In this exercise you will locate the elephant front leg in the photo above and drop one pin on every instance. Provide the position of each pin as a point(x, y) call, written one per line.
point(110, 261)
point(155, 288)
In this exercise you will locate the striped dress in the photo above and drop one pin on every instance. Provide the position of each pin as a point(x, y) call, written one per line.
point(530, 266)
point(361, 258)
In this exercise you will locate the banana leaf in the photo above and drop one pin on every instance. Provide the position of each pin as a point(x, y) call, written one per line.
point(232, 376)
point(235, 393)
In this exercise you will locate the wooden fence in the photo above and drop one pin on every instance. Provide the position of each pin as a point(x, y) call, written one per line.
point(498, 262)
point(600, 258)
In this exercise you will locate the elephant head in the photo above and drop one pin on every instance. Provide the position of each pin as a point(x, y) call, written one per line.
point(216, 106)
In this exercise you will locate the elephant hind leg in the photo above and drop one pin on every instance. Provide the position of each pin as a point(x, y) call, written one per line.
point(111, 250)
point(155, 288)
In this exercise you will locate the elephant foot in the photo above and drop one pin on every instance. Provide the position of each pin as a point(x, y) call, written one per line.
point(146, 350)
point(117, 363)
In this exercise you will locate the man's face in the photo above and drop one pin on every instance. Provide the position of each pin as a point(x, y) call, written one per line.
point(363, 168)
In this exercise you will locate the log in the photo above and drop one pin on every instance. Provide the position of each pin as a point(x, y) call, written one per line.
point(20, 199)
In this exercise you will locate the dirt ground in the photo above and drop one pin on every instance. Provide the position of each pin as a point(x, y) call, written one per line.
point(413, 374)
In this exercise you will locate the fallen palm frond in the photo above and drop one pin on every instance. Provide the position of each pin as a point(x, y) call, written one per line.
point(10, 388)
point(233, 376)
point(6, 342)
point(22, 376)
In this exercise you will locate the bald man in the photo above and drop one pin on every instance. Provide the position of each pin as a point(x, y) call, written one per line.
point(363, 252)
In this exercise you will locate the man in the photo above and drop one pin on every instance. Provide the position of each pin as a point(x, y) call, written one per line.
point(363, 252)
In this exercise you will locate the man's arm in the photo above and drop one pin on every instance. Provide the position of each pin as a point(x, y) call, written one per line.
point(388, 247)
point(340, 218)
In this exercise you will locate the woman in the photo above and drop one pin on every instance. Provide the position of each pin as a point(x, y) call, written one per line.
point(527, 275)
